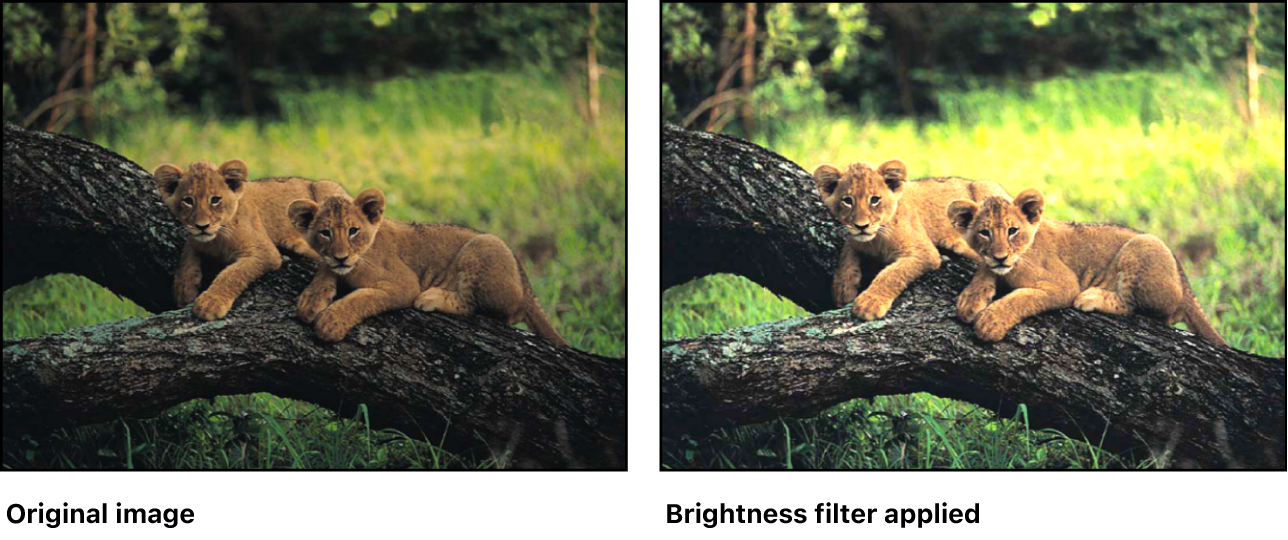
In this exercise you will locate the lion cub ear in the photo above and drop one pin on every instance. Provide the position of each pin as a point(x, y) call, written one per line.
point(372, 203)
point(826, 178)
point(167, 179)
point(302, 213)
point(961, 213)
point(1031, 204)
point(235, 173)
point(894, 172)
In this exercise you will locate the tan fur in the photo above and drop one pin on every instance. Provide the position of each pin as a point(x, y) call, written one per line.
point(393, 265)
point(903, 230)
point(1049, 265)
point(245, 225)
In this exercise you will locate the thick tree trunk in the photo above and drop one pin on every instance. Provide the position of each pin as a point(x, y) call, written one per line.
point(70, 206)
point(1137, 384)
point(731, 206)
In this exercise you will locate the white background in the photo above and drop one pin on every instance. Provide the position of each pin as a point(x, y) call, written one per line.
point(633, 504)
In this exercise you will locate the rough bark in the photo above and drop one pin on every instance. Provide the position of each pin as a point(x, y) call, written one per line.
point(73, 207)
point(731, 206)
point(1134, 383)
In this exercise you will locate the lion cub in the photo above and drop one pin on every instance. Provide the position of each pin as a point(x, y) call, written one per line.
point(1049, 265)
point(893, 221)
point(394, 265)
point(232, 221)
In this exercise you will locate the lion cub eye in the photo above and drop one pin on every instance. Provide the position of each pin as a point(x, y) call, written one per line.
point(876, 201)
point(325, 234)
point(1011, 231)
point(848, 201)
point(984, 234)
point(187, 201)
point(214, 201)
point(353, 231)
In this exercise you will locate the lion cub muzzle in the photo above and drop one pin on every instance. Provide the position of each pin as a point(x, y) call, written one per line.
point(863, 233)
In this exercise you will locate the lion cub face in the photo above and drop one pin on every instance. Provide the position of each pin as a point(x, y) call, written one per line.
point(203, 198)
point(1001, 231)
point(863, 198)
point(339, 230)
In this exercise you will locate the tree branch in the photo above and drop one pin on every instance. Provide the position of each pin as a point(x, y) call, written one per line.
point(70, 206)
point(1138, 383)
point(721, 213)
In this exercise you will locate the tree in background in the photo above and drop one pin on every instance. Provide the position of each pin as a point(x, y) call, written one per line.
point(1254, 70)
point(120, 53)
point(592, 63)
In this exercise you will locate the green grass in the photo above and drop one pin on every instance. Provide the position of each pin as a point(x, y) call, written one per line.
point(1163, 153)
point(503, 152)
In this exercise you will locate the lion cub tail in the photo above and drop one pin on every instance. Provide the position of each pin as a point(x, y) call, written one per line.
point(534, 315)
point(537, 321)
point(1191, 313)
point(1193, 317)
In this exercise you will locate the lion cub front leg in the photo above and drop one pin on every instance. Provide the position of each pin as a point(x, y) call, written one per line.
point(232, 282)
point(1001, 316)
point(890, 283)
point(849, 273)
point(335, 323)
point(187, 279)
point(976, 296)
point(318, 296)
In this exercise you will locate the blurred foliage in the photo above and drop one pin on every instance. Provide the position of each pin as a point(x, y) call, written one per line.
point(228, 58)
point(9, 105)
point(140, 49)
point(895, 59)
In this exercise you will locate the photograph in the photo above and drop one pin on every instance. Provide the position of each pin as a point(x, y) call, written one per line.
point(959, 236)
point(345, 236)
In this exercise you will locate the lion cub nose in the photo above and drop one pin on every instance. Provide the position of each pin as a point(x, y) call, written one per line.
point(863, 227)
point(203, 227)
point(341, 259)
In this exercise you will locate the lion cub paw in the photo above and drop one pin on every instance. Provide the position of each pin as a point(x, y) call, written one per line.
point(333, 327)
point(311, 305)
point(184, 293)
point(1092, 299)
point(434, 299)
point(210, 307)
point(991, 327)
point(970, 305)
point(441, 300)
point(870, 307)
